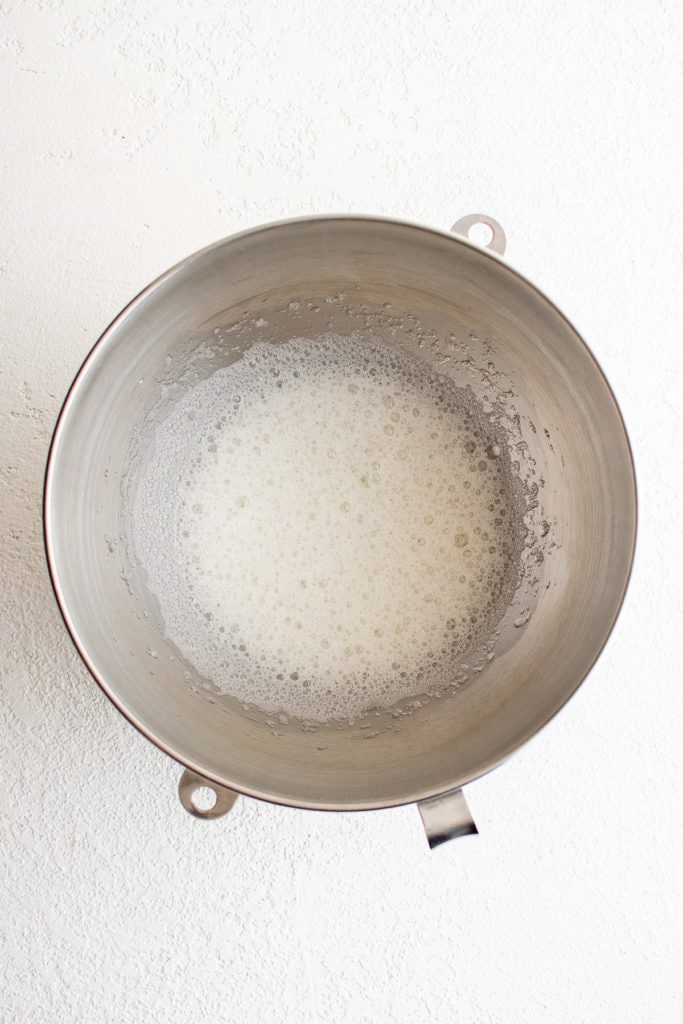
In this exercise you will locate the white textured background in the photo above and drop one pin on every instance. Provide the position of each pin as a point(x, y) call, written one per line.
point(133, 133)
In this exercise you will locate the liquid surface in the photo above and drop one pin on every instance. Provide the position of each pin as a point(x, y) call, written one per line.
point(340, 527)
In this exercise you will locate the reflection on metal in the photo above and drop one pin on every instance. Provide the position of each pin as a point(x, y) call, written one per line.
point(446, 817)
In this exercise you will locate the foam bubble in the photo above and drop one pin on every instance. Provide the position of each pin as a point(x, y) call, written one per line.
point(330, 553)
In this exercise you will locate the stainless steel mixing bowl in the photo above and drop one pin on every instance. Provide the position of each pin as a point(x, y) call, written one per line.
point(460, 308)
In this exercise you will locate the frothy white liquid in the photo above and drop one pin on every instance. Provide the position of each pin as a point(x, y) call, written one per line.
point(327, 526)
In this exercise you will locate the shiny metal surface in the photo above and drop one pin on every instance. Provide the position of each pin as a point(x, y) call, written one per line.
point(202, 314)
point(188, 785)
point(446, 817)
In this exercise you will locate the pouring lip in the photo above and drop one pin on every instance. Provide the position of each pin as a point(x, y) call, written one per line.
point(101, 344)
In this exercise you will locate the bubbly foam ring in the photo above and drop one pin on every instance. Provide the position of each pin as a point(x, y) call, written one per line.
point(339, 523)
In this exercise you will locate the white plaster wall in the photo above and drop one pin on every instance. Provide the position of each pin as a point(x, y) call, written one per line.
point(135, 132)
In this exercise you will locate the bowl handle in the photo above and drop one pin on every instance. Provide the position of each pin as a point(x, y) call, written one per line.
point(446, 816)
point(190, 782)
point(496, 242)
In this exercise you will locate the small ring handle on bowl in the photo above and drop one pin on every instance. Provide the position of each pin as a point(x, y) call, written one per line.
point(188, 785)
point(496, 240)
